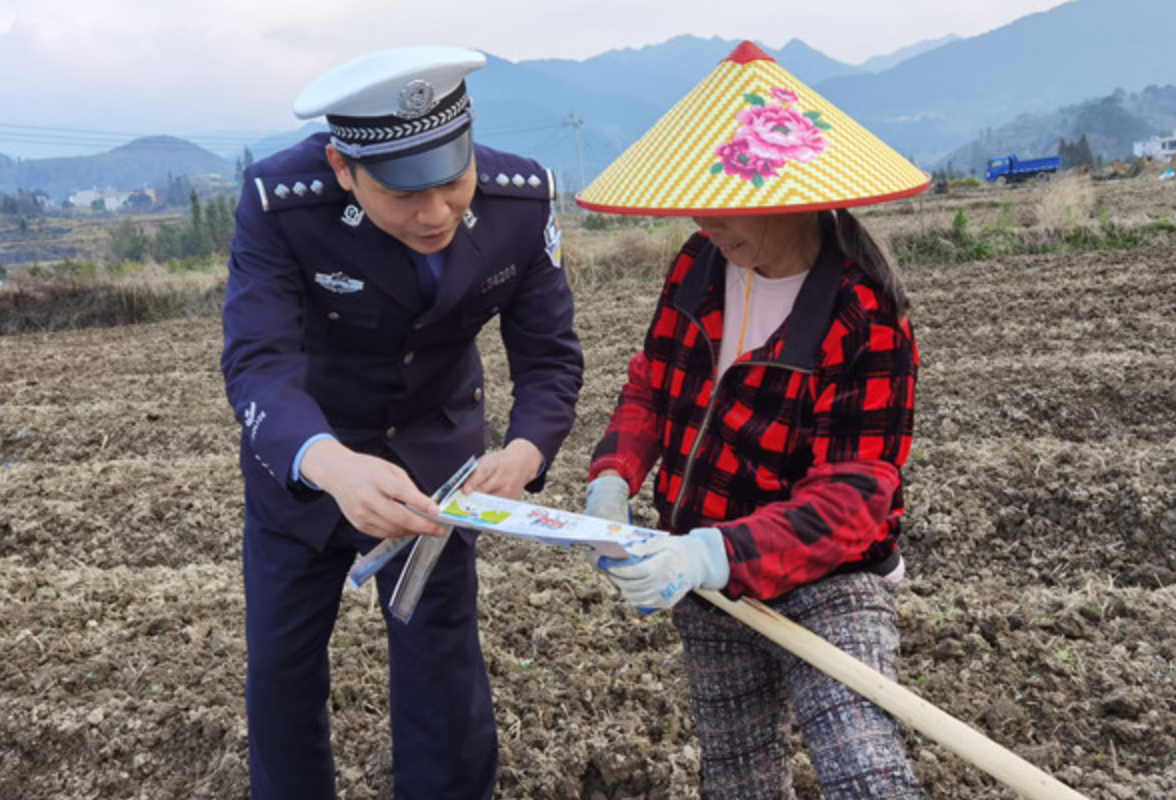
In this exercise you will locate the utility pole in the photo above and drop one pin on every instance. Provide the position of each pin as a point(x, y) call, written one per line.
point(559, 195)
point(576, 124)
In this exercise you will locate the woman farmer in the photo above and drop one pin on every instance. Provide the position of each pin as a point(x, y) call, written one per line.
point(775, 394)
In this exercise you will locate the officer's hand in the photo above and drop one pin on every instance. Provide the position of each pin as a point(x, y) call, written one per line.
point(370, 491)
point(661, 570)
point(608, 498)
point(506, 472)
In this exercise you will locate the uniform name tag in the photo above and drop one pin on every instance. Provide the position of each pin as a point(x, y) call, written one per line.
point(498, 278)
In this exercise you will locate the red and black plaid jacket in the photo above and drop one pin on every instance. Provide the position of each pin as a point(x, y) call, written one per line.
point(795, 455)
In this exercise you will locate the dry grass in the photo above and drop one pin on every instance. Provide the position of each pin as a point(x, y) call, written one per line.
point(40, 304)
point(1066, 203)
point(1071, 212)
point(593, 257)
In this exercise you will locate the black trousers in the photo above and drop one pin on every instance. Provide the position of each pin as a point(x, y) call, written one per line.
point(444, 738)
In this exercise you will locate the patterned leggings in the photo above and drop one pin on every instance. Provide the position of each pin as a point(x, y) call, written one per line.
point(745, 690)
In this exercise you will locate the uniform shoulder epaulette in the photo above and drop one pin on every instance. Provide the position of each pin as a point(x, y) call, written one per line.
point(282, 192)
point(295, 177)
point(508, 175)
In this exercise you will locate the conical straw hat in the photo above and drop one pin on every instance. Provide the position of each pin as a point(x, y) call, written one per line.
point(751, 138)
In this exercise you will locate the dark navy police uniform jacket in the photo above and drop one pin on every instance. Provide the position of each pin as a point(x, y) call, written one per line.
point(326, 330)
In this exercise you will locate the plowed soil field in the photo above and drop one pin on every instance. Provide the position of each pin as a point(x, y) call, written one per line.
point(1040, 604)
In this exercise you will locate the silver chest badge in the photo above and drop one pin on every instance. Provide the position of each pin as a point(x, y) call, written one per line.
point(338, 282)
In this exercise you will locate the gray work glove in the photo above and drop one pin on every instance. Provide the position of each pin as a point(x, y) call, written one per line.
point(661, 570)
point(608, 498)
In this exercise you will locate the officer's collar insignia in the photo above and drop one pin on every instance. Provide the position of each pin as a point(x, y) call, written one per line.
point(470, 219)
point(338, 282)
point(352, 215)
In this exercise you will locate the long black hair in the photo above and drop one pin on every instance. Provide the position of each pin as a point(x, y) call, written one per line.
point(857, 243)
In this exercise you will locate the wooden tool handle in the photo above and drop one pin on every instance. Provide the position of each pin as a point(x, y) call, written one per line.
point(915, 712)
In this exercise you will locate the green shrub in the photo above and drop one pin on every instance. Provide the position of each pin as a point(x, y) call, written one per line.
point(959, 227)
point(597, 222)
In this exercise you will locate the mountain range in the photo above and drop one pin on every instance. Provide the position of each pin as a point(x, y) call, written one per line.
point(1103, 64)
point(150, 161)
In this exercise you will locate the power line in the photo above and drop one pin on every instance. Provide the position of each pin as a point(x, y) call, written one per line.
point(90, 133)
point(83, 138)
point(547, 126)
point(556, 136)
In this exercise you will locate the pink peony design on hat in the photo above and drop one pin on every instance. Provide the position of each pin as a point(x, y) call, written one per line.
point(772, 135)
point(751, 138)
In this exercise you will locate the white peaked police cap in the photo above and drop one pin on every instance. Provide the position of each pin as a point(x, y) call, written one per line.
point(403, 114)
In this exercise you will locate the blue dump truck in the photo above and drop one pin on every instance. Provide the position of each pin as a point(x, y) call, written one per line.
point(1010, 169)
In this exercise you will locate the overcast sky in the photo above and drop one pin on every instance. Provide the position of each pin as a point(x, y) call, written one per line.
point(72, 71)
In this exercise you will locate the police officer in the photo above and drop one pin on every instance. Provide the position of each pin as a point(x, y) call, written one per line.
point(366, 260)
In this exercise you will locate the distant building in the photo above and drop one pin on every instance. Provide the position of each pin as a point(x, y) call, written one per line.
point(218, 183)
point(1162, 148)
point(110, 199)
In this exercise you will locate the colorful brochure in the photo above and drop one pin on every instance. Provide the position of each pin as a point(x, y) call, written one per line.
point(548, 525)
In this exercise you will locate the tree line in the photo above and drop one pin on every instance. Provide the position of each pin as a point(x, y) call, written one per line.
point(1073, 154)
point(1077, 154)
point(209, 231)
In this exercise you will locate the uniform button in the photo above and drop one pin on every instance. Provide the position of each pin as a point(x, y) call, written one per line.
point(332, 316)
point(409, 357)
point(478, 395)
point(388, 434)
